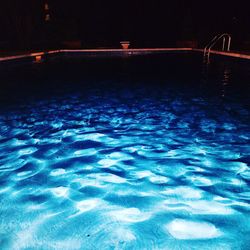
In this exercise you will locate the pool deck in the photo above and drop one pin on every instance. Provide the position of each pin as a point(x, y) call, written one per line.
point(242, 55)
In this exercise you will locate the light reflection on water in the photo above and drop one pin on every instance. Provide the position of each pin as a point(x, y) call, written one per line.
point(121, 170)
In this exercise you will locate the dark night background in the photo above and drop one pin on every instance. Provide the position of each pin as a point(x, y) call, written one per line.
point(96, 23)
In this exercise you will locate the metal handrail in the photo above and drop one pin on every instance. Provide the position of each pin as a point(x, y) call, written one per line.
point(224, 40)
point(213, 42)
point(209, 44)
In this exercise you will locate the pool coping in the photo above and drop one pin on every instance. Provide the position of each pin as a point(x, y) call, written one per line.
point(226, 53)
point(122, 51)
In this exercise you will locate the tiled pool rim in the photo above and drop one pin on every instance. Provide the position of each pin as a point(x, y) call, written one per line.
point(139, 51)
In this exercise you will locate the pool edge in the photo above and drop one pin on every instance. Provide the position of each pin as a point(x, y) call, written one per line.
point(123, 51)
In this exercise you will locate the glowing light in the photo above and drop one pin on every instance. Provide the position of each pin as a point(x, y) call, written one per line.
point(125, 44)
point(38, 59)
point(47, 17)
point(46, 6)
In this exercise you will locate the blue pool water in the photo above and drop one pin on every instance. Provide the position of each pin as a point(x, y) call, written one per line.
point(139, 158)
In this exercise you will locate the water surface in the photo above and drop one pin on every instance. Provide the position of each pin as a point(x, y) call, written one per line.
point(124, 155)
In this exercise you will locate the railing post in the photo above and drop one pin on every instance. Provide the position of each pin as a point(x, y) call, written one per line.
point(223, 46)
point(229, 43)
point(205, 50)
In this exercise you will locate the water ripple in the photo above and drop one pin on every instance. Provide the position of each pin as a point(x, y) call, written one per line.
point(100, 172)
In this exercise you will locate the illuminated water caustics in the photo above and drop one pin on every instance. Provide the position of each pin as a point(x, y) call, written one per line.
point(128, 170)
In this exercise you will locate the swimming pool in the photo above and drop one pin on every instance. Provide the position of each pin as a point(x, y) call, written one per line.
point(136, 152)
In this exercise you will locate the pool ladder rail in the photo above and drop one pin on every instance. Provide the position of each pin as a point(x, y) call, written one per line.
point(226, 44)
